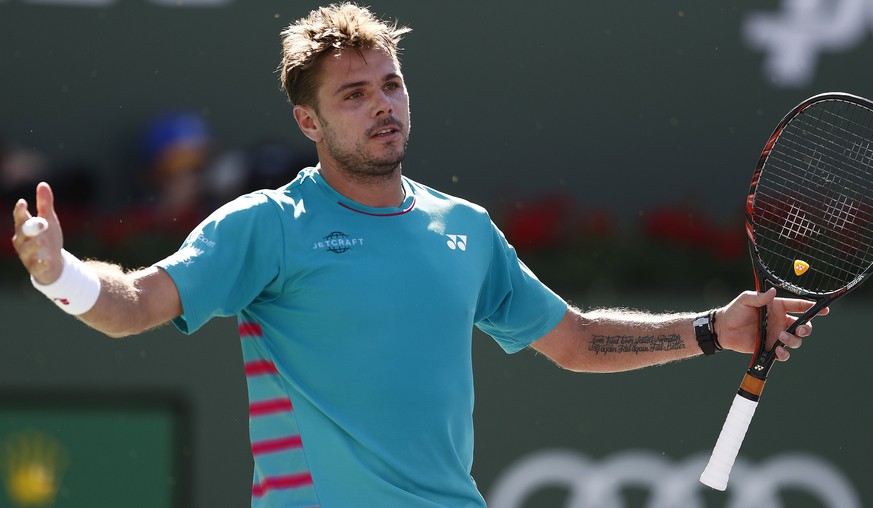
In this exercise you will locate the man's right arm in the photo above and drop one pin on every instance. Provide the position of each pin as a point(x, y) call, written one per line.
point(133, 302)
point(127, 302)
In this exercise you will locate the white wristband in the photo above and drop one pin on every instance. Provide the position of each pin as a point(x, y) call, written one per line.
point(76, 290)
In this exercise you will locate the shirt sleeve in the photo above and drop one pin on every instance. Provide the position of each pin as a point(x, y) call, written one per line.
point(514, 306)
point(233, 258)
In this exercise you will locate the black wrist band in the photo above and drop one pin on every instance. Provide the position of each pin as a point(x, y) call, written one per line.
point(704, 332)
point(712, 314)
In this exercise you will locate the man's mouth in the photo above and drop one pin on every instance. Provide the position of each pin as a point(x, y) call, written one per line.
point(385, 131)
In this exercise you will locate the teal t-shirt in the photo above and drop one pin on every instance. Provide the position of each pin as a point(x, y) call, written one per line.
point(356, 327)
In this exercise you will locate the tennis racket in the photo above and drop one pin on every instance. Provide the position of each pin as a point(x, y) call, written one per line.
point(809, 221)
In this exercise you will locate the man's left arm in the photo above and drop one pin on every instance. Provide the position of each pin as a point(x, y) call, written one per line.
point(614, 340)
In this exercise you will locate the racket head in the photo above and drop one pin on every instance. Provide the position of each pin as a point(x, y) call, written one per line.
point(809, 212)
point(808, 221)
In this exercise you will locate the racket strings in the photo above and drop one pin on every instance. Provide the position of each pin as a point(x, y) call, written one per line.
point(814, 198)
point(856, 154)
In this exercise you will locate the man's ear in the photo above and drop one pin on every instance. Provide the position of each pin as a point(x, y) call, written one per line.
point(308, 122)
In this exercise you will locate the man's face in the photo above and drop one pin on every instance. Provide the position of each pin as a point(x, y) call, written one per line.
point(363, 110)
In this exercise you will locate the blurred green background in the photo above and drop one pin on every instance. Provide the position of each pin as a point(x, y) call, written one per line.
point(612, 142)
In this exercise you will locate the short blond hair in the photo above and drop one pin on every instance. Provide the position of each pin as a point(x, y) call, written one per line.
point(330, 30)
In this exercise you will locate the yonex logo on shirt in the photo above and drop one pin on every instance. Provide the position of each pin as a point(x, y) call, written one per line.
point(458, 242)
point(337, 242)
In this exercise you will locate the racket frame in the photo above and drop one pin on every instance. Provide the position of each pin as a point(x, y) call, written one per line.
point(717, 471)
point(764, 358)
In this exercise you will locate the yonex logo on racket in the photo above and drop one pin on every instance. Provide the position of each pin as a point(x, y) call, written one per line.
point(457, 242)
point(800, 267)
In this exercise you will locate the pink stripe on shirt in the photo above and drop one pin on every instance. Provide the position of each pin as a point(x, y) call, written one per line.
point(267, 407)
point(281, 482)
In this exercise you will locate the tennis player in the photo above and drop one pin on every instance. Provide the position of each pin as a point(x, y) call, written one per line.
point(356, 290)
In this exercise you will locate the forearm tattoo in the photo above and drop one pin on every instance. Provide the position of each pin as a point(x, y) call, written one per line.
point(606, 344)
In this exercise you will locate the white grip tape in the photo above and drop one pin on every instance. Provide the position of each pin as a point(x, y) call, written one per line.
point(718, 470)
point(76, 290)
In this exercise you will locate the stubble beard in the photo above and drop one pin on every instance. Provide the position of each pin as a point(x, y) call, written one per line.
point(359, 163)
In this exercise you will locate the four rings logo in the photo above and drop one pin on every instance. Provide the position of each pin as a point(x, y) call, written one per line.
point(670, 484)
point(337, 242)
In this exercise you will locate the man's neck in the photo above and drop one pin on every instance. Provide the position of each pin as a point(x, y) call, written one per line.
point(378, 191)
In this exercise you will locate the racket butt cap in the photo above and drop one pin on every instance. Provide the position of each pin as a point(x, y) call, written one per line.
point(715, 481)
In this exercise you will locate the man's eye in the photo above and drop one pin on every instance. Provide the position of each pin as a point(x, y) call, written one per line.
point(353, 95)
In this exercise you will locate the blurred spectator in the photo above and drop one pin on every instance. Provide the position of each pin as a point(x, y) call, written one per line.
point(168, 198)
point(274, 164)
point(225, 178)
point(176, 148)
point(268, 165)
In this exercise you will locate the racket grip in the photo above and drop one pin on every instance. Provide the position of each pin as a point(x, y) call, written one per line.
point(718, 470)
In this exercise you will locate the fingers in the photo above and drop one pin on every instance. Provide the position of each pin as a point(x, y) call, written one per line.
point(780, 317)
point(754, 299)
point(792, 341)
point(803, 330)
point(40, 255)
point(45, 202)
point(45, 206)
point(788, 341)
point(798, 306)
point(782, 354)
point(789, 305)
point(738, 326)
point(20, 214)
